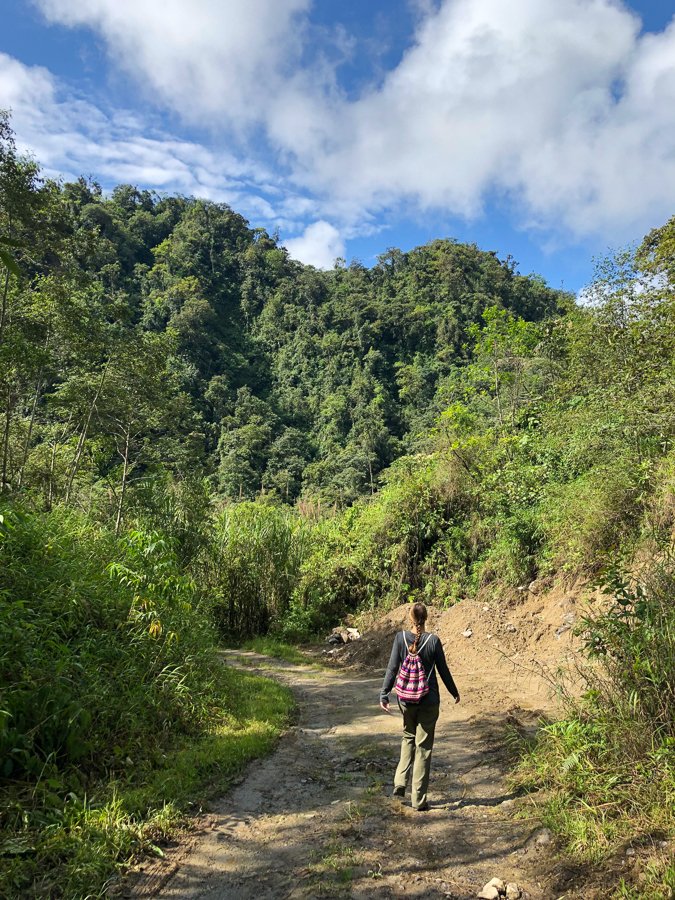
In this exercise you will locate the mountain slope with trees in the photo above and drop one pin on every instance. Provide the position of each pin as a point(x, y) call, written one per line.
point(152, 335)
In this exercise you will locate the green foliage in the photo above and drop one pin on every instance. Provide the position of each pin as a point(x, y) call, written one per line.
point(608, 770)
point(251, 566)
point(59, 841)
point(145, 335)
point(387, 549)
point(105, 645)
point(116, 712)
point(635, 643)
point(550, 455)
point(172, 384)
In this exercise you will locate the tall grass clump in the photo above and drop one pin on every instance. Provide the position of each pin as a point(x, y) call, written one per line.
point(105, 644)
point(608, 769)
point(252, 566)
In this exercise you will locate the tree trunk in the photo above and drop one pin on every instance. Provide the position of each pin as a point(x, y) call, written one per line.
point(3, 306)
point(498, 395)
point(52, 461)
point(5, 443)
point(26, 446)
point(125, 473)
point(83, 435)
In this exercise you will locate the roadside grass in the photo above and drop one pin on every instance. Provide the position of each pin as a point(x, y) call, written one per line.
point(605, 775)
point(271, 646)
point(657, 881)
point(57, 843)
point(602, 798)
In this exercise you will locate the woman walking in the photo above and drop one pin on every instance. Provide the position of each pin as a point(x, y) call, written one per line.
point(415, 657)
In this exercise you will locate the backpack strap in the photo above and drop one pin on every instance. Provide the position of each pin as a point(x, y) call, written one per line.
point(425, 642)
point(428, 634)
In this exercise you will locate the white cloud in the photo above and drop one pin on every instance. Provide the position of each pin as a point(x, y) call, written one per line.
point(320, 245)
point(559, 104)
point(562, 107)
point(72, 137)
point(204, 58)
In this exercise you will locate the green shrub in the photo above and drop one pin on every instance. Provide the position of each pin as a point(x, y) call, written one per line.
point(105, 645)
point(635, 643)
point(586, 521)
point(401, 543)
point(115, 712)
point(511, 556)
point(59, 841)
point(608, 769)
point(252, 565)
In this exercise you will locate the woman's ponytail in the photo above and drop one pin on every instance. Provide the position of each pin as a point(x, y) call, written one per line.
point(418, 616)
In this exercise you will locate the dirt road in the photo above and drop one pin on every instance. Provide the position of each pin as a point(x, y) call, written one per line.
point(316, 819)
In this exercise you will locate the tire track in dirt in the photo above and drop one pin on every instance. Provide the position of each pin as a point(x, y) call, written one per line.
point(316, 819)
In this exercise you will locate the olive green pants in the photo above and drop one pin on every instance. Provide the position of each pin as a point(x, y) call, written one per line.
point(419, 724)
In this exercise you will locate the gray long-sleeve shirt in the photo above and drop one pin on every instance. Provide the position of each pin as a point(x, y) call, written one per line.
point(432, 658)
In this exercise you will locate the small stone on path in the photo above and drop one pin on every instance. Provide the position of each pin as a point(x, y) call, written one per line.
point(489, 892)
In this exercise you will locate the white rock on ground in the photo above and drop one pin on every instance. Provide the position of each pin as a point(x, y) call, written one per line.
point(489, 892)
point(498, 883)
point(513, 892)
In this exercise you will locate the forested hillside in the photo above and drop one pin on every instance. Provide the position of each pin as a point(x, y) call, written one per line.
point(201, 439)
point(150, 338)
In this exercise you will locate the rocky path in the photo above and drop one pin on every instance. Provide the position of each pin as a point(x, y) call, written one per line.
point(315, 819)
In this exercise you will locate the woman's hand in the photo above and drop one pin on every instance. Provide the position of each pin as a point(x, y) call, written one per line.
point(384, 704)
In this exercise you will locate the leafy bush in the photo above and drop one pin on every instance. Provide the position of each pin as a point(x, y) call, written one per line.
point(252, 565)
point(635, 643)
point(588, 520)
point(105, 645)
point(608, 769)
point(386, 549)
point(57, 840)
point(115, 712)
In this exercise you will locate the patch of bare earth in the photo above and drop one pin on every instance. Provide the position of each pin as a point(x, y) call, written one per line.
point(316, 819)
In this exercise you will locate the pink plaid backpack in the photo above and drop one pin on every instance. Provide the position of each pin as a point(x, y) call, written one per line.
point(411, 682)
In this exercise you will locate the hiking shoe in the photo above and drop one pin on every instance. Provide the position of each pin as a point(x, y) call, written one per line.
point(398, 792)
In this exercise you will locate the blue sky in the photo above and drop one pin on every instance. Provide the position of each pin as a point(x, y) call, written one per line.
point(538, 128)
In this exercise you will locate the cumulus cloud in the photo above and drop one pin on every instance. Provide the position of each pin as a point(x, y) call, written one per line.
point(561, 107)
point(203, 58)
point(320, 245)
point(560, 104)
point(71, 137)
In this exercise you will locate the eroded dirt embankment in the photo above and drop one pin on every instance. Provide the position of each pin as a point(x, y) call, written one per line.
point(509, 653)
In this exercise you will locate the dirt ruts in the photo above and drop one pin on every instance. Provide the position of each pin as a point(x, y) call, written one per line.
point(316, 819)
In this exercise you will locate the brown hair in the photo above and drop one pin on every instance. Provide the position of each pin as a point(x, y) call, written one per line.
point(418, 616)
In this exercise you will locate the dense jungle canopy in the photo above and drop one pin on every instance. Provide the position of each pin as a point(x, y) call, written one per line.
point(152, 337)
